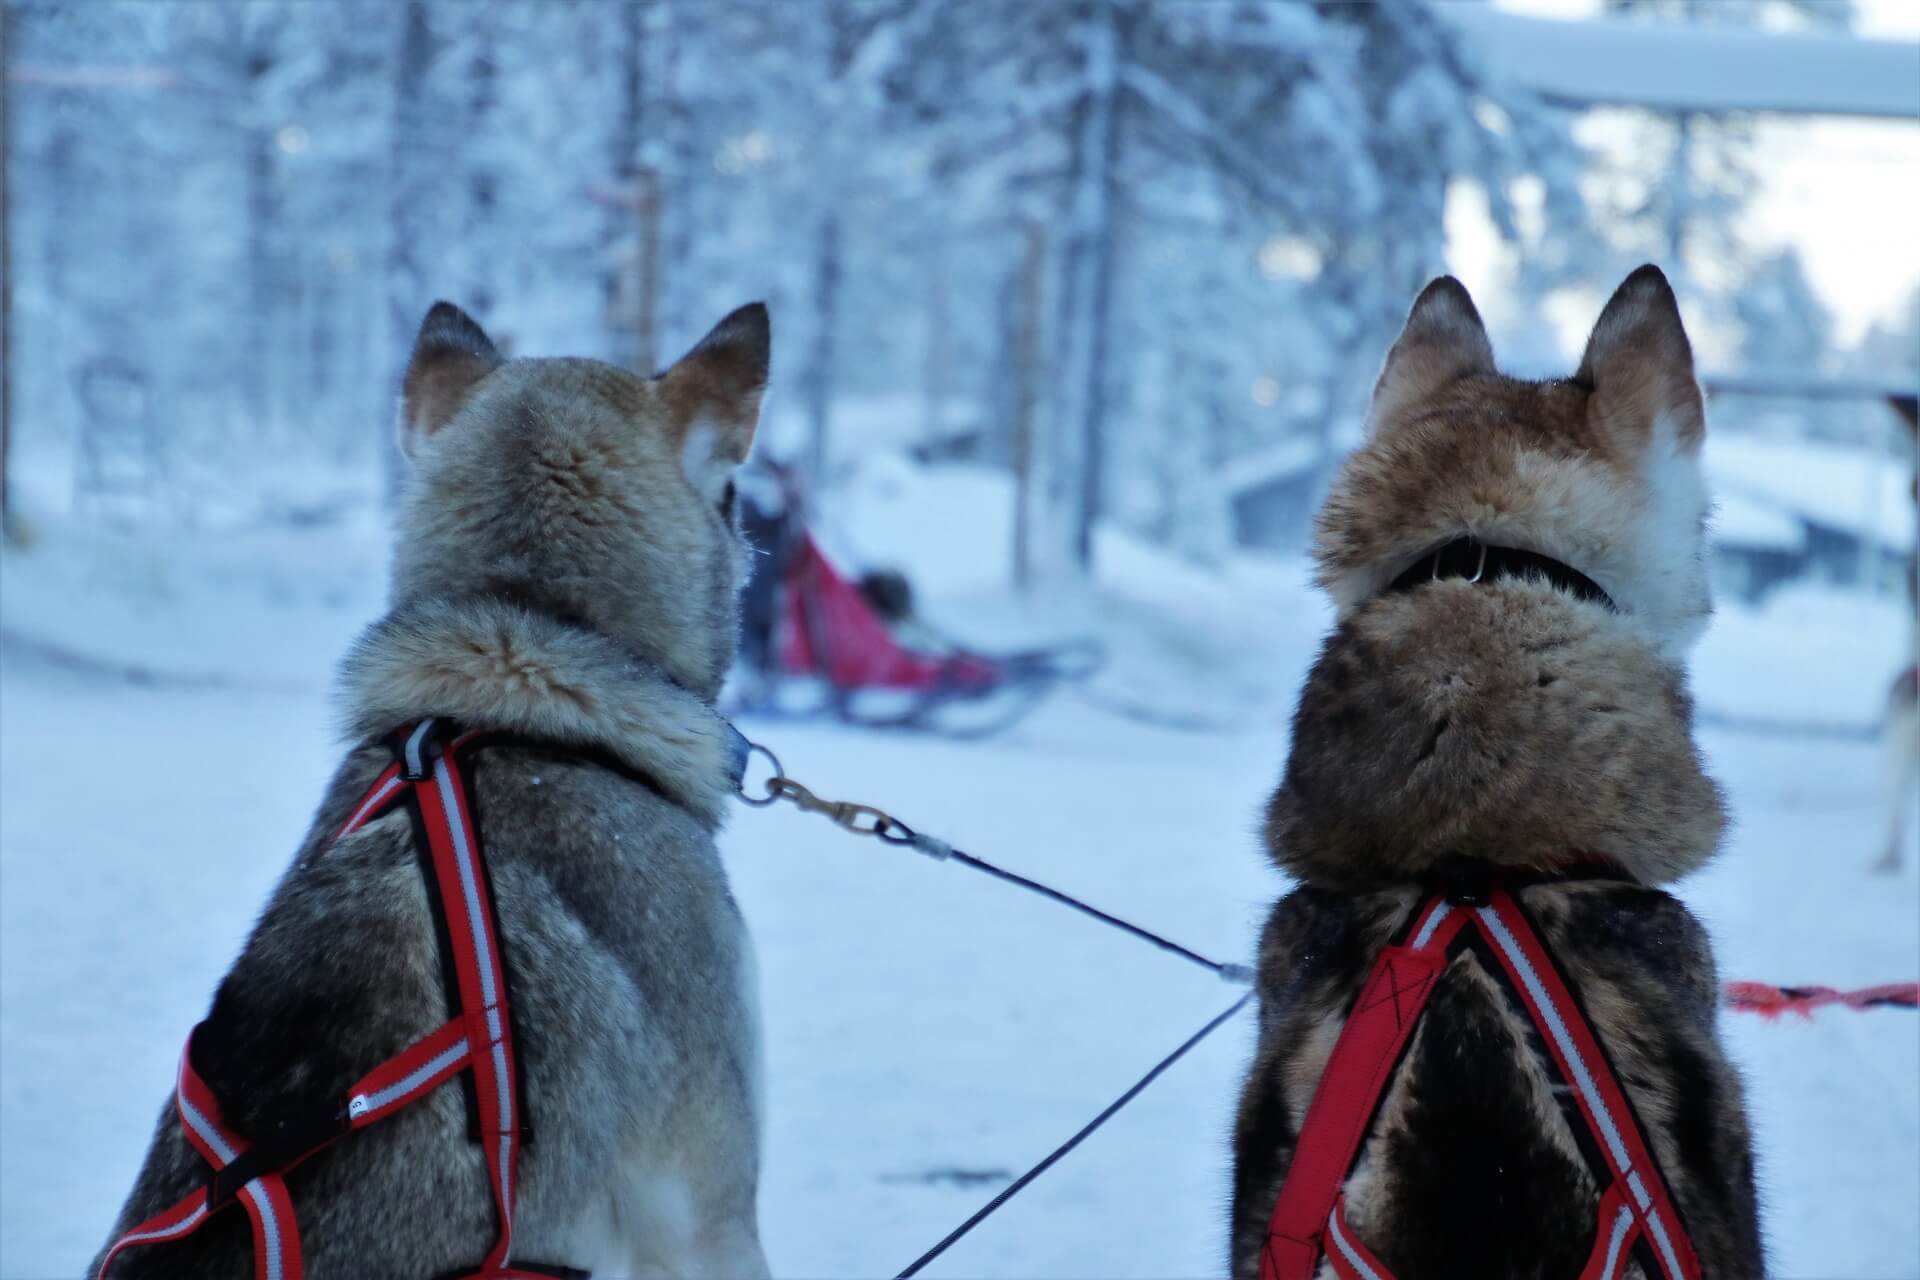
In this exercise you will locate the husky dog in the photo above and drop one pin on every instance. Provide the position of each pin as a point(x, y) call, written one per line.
point(566, 572)
point(1455, 729)
point(1900, 736)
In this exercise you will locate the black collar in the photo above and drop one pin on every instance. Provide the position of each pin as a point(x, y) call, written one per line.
point(1476, 561)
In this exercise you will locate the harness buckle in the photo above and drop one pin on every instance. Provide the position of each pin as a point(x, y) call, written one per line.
point(1464, 882)
point(418, 746)
point(293, 1139)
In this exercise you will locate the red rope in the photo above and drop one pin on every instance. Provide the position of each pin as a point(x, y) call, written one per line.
point(1770, 1001)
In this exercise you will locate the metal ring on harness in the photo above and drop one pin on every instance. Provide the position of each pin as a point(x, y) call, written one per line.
point(773, 789)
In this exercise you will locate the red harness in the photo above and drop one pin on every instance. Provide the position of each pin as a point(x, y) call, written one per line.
point(1310, 1219)
point(478, 1039)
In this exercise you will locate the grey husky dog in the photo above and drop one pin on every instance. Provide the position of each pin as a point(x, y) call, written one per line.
point(566, 572)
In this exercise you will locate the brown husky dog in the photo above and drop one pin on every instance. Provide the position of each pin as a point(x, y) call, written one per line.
point(565, 573)
point(1526, 723)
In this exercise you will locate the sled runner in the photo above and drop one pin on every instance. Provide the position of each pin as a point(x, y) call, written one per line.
point(427, 778)
point(1636, 1215)
point(822, 645)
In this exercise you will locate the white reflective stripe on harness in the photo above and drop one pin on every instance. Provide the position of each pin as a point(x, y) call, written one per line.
point(380, 794)
point(1425, 935)
point(1555, 1021)
point(269, 1226)
point(476, 961)
point(1347, 1249)
point(1622, 1222)
point(416, 766)
point(195, 1120)
point(1307, 1225)
point(363, 1104)
point(276, 1237)
point(180, 1228)
point(485, 962)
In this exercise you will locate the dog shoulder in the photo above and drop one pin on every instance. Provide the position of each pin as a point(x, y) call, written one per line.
point(1617, 935)
point(1644, 968)
point(1315, 953)
point(339, 974)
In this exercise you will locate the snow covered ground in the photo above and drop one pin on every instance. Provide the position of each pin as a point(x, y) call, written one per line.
point(164, 733)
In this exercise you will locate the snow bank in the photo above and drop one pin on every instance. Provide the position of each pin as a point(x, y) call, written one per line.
point(260, 606)
point(1844, 488)
point(1742, 522)
point(1821, 657)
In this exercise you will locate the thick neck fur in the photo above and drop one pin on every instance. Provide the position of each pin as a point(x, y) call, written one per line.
point(1502, 722)
point(492, 664)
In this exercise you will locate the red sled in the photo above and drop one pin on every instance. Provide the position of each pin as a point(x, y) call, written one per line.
point(830, 629)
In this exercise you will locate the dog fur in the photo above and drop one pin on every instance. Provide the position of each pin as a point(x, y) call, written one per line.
point(1506, 725)
point(566, 569)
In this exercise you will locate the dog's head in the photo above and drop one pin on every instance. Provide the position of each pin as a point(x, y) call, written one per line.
point(1600, 471)
point(582, 490)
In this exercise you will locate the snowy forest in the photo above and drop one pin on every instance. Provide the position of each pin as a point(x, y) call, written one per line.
point(1129, 251)
point(1076, 308)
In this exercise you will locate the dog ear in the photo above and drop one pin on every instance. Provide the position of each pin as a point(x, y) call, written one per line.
point(1442, 342)
point(1639, 365)
point(713, 397)
point(450, 357)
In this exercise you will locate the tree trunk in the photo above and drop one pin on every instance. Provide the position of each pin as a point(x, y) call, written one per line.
point(937, 364)
point(483, 183)
point(1088, 294)
point(1026, 396)
point(9, 519)
point(674, 177)
point(62, 159)
point(406, 283)
point(629, 332)
point(265, 318)
point(1679, 211)
point(820, 365)
point(646, 275)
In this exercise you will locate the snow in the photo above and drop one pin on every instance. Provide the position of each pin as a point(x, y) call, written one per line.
point(861, 424)
point(1288, 457)
point(1837, 486)
point(1676, 68)
point(1809, 654)
point(1742, 522)
point(930, 1032)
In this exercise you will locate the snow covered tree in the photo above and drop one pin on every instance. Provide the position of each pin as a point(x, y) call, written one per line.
point(1686, 204)
point(1338, 126)
point(1785, 326)
point(1144, 239)
point(1072, 100)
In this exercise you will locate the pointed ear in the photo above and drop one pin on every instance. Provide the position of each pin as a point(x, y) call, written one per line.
point(713, 396)
point(450, 357)
point(1639, 365)
point(1443, 342)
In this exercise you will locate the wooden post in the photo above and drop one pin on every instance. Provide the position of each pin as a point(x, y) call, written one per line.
point(1026, 394)
point(409, 189)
